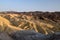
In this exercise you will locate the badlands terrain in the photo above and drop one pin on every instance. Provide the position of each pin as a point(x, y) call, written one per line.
point(30, 25)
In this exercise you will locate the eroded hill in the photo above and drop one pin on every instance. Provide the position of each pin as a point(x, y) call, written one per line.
point(42, 22)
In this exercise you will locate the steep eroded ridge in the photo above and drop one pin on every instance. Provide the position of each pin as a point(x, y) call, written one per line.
point(42, 22)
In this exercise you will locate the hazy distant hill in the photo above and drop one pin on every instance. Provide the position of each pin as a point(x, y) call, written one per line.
point(42, 22)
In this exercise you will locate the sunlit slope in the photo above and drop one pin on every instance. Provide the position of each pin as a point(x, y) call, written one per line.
point(39, 23)
point(43, 26)
point(5, 25)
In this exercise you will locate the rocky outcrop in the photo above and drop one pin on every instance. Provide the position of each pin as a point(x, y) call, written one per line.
point(5, 36)
point(32, 35)
point(29, 35)
point(55, 36)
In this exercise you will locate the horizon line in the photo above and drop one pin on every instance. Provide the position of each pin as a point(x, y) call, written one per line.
point(29, 11)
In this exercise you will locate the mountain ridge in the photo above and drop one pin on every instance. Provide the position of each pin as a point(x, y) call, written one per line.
point(42, 22)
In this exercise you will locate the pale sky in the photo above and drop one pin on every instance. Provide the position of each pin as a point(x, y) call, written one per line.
point(29, 5)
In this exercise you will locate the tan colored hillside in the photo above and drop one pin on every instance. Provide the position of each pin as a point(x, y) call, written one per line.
point(40, 22)
point(5, 25)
